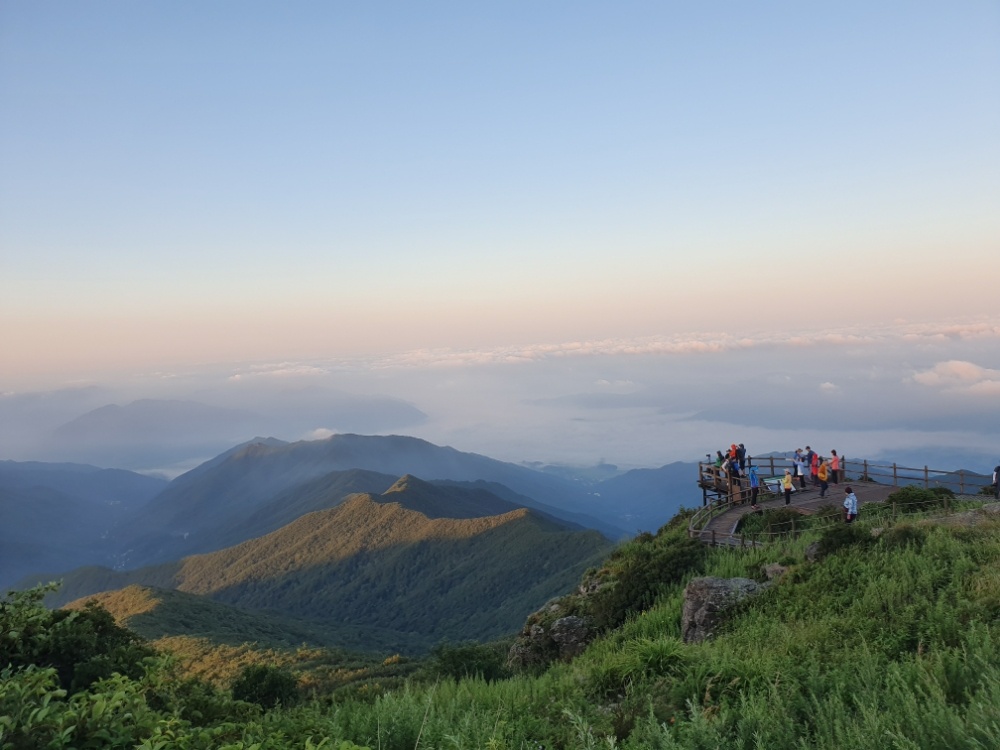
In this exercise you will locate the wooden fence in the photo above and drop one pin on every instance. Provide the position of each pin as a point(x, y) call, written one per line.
point(961, 482)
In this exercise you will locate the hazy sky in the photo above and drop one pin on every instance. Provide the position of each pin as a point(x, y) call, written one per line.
point(201, 186)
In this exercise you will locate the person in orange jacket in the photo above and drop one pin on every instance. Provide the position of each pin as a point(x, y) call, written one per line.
point(823, 475)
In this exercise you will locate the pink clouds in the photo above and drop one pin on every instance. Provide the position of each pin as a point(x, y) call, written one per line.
point(959, 376)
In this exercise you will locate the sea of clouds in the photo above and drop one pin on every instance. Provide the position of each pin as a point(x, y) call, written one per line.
point(919, 394)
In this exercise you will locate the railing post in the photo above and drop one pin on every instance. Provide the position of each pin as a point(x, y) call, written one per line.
point(713, 538)
point(772, 466)
point(961, 481)
point(927, 479)
point(866, 471)
point(895, 475)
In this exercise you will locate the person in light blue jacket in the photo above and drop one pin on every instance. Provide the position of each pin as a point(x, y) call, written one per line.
point(850, 505)
point(754, 487)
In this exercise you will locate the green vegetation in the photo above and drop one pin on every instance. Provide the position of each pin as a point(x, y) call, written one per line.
point(379, 570)
point(266, 686)
point(884, 640)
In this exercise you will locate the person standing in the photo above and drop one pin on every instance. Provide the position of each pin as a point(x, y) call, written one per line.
point(786, 485)
point(823, 475)
point(996, 482)
point(814, 466)
point(834, 467)
point(741, 455)
point(754, 487)
point(800, 467)
point(850, 505)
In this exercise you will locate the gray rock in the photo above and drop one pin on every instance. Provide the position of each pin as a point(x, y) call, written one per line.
point(571, 634)
point(812, 552)
point(774, 570)
point(706, 601)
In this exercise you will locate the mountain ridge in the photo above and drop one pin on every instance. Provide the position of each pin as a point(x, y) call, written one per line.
point(373, 561)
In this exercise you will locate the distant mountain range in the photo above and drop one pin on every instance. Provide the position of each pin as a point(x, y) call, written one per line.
point(59, 516)
point(257, 487)
point(337, 535)
point(159, 434)
point(391, 562)
point(150, 433)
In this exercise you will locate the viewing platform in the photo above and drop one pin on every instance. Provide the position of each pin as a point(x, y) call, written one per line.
point(725, 501)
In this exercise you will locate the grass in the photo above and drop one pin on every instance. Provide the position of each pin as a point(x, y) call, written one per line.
point(889, 640)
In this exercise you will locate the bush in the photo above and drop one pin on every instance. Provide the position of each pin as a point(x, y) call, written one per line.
point(83, 646)
point(266, 686)
point(915, 499)
point(841, 537)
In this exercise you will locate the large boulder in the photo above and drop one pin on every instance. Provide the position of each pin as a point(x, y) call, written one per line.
point(563, 638)
point(706, 601)
point(571, 634)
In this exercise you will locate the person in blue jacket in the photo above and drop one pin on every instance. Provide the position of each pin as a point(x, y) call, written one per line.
point(754, 487)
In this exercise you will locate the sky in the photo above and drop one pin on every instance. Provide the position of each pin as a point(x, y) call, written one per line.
point(544, 226)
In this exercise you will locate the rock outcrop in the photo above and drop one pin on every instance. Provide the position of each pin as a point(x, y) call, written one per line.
point(706, 601)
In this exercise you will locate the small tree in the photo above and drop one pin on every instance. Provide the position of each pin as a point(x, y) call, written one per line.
point(83, 646)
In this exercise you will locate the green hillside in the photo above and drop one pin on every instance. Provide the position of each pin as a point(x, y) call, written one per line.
point(157, 614)
point(370, 563)
point(882, 634)
point(215, 641)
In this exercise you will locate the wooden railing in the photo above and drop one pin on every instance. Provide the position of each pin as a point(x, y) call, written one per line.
point(726, 494)
point(960, 482)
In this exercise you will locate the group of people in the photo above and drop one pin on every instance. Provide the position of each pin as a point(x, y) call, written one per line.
point(822, 471)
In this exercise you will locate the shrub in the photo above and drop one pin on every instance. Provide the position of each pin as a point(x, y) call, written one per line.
point(83, 646)
point(915, 499)
point(266, 686)
point(840, 537)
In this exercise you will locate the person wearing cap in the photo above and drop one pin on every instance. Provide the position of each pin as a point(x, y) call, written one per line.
point(850, 505)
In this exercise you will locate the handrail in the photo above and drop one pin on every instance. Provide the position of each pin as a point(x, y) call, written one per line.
point(960, 482)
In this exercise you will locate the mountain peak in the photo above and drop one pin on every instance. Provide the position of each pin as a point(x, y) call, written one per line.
point(409, 483)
